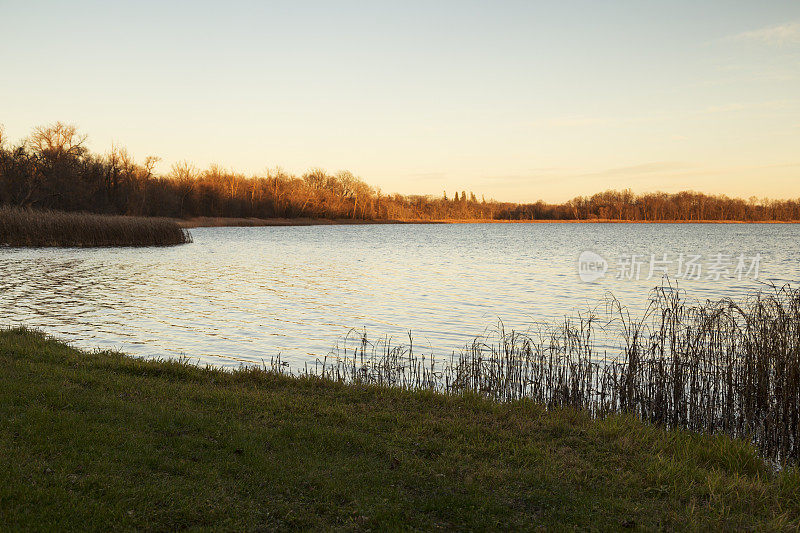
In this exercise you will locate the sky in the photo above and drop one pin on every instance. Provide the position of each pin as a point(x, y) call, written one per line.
point(517, 101)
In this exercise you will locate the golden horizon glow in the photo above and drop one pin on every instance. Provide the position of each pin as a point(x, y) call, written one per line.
point(514, 101)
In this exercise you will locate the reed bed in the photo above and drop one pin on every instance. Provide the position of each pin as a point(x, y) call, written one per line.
point(715, 367)
point(29, 227)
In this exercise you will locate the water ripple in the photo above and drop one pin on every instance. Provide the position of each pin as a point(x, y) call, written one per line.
point(246, 294)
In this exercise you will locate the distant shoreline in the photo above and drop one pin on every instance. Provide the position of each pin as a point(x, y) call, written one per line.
point(211, 222)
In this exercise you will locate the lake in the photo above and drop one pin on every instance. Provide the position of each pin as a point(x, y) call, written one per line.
point(243, 295)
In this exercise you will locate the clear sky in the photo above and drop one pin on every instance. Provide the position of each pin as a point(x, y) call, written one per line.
point(515, 100)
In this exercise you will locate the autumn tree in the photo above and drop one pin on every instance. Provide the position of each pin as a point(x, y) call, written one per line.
point(58, 139)
point(184, 175)
point(53, 168)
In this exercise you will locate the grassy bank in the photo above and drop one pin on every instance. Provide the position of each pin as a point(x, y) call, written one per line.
point(100, 440)
point(30, 227)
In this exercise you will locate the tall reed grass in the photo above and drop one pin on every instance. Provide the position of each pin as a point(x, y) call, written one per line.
point(29, 227)
point(717, 367)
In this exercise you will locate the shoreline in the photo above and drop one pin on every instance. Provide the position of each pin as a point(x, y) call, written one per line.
point(94, 438)
point(216, 222)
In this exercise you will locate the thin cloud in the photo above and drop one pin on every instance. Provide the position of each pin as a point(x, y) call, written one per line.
point(779, 35)
point(751, 106)
point(554, 174)
point(422, 176)
point(657, 167)
point(576, 121)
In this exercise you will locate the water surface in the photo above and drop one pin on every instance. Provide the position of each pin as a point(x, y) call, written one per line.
point(246, 294)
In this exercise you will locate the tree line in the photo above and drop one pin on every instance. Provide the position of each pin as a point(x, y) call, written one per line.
point(681, 206)
point(53, 169)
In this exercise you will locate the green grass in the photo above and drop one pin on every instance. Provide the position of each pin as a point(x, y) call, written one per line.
point(104, 441)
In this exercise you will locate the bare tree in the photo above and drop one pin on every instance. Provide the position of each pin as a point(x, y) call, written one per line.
point(57, 139)
point(185, 176)
point(316, 178)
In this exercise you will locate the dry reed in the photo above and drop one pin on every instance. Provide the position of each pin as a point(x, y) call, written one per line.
point(714, 367)
point(29, 227)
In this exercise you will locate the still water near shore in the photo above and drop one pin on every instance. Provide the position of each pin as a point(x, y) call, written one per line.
point(243, 295)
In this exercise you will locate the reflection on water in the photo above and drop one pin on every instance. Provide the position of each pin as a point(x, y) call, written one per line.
point(247, 294)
